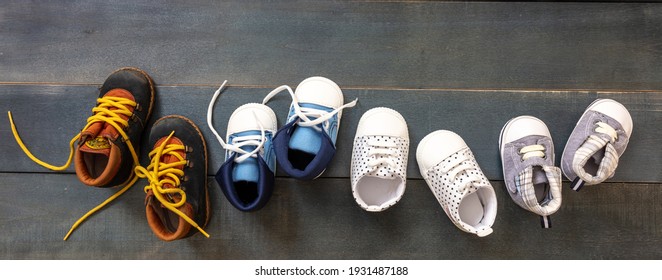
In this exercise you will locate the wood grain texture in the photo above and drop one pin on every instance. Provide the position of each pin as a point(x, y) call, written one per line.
point(320, 220)
point(48, 116)
point(462, 66)
point(358, 44)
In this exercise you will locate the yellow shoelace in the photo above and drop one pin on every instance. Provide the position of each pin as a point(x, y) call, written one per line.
point(159, 174)
point(101, 113)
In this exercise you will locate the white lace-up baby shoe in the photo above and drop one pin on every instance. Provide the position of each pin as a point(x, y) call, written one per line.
point(379, 159)
point(450, 170)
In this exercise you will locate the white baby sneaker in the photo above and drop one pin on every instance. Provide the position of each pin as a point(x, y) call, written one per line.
point(450, 170)
point(379, 159)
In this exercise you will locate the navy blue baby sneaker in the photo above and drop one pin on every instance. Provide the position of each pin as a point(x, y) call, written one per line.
point(307, 142)
point(248, 173)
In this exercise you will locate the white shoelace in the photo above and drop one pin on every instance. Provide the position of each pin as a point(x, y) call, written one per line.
point(308, 116)
point(240, 141)
point(607, 129)
point(532, 151)
point(382, 152)
point(456, 166)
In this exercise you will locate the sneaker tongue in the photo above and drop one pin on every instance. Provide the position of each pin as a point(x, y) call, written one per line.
point(473, 189)
point(598, 147)
point(383, 172)
point(535, 173)
point(104, 129)
point(170, 158)
point(97, 139)
point(539, 175)
point(97, 145)
point(598, 156)
point(306, 139)
point(246, 170)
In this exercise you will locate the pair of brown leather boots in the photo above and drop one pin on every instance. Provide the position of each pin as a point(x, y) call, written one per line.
point(107, 155)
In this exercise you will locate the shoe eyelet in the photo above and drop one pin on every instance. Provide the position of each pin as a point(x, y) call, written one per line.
point(189, 164)
point(188, 149)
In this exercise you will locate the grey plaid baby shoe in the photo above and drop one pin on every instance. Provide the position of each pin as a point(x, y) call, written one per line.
point(454, 177)
point(600, 137)
point(527, 157)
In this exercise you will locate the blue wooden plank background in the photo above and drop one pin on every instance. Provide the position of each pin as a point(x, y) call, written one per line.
point(462, 66)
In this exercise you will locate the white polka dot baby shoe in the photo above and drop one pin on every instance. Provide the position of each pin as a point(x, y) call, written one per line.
point(450, 170)
point(379, 159)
